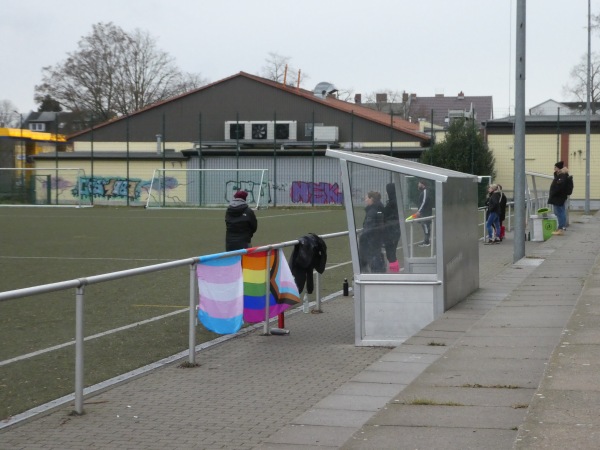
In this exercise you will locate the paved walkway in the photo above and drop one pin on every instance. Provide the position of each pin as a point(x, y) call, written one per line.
point(515, 365)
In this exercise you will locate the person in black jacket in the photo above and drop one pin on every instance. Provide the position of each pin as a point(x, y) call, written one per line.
point(240, 222)
point(558, 196)
point(492, 223)
point(371, 237)
point(392, 228)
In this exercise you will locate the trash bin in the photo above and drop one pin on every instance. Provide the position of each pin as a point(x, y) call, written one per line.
point(542, 226)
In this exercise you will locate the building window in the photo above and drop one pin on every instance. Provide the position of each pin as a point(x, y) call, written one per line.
point(37, 126)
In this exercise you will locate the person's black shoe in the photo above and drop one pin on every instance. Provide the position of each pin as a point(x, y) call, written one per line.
point(424, 244)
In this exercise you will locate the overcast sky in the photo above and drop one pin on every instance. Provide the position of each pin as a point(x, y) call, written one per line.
point(425, 47)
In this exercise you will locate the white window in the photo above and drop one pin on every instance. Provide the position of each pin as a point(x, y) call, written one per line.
point(37, 126)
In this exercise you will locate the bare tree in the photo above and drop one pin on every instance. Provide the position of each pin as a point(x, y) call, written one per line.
point(114, 73)
point(577, 88)
point(9, 117)
point(278, 68)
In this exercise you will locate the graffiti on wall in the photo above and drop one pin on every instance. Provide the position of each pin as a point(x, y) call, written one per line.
point(321, 193)
point(251, 187)
point(109, 188)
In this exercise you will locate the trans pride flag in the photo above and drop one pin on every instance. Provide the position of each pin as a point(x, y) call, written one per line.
point(221, 294)
point(283, 290)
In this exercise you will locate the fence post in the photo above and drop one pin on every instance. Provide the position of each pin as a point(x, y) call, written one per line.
point(267, 293)
point(79, 350)
point(318, 293)
point(192, 315)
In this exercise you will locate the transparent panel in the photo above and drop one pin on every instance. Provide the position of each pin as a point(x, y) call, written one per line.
point(391, 238)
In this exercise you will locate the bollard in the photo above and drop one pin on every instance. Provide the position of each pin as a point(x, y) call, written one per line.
point(345, 287)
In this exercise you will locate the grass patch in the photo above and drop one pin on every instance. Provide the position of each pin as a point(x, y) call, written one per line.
point(437, 344)
point(491, 386)
point(429, 402)
point(519, 406)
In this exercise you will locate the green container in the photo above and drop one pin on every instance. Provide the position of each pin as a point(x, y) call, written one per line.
point(549, 226)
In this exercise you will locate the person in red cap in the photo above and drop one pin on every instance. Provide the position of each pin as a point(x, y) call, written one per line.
point(240, 222)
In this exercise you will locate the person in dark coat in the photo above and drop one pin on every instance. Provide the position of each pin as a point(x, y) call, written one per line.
point(558, 196)
point(371, 237)
point(240, 222)
point(391, 227)
point(492, 223)
point(503, 202)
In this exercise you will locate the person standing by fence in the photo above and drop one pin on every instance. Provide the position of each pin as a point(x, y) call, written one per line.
point(558, 196)
point(392, 228)
point(371, 237)
point(240, 222)
point(492, 223)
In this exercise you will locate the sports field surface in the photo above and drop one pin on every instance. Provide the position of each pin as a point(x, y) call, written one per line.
point(48, 245)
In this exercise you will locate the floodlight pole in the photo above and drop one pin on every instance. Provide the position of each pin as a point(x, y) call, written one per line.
point(519, 165)
point(587, 115)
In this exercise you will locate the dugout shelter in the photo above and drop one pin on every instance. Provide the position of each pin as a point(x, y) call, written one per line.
point(390, 306)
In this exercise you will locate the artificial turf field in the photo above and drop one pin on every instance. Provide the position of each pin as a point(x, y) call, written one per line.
point(47, 245)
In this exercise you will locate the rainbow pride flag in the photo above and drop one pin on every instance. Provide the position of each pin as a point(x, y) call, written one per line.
point(221, 294)
point(283, 290)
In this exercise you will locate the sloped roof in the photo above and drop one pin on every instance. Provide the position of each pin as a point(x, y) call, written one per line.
point(332, 102)
point(421, 107)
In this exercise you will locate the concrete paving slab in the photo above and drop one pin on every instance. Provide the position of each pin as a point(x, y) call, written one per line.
point(378, 376)
point(565, 407)
point(469, 396)
point(310, 435)
point(508, 353)
point(334, 417)
point(498, 417)
point(343, 402)
point(426, 349)
point(552, 437)
point(422, 358)
point(438, 438)
point(487, 373)
point(385, 390)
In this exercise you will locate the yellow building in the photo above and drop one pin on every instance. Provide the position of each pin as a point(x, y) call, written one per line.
point(549, 139)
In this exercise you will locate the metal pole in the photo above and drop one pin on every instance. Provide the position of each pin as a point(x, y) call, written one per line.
point(274, 161)
point(164, 162)
point(318, 292)
point(587, 115)
point(92, 164)
point(79, 350)
point(267, 293)
point(192, 318)
point(558, 134)
point(519, 165)
point(312, 184)
point(127, 141)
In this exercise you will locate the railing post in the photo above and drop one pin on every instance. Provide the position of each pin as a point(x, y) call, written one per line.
point(267, 293)
point(79, 350)
point(192, 315)
point(318, 292)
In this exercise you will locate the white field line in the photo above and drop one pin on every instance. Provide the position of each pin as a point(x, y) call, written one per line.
point(114, 330)
point(89, 338)
point(86, 259)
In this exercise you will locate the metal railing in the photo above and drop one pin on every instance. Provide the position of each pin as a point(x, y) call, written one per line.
point(80, 283)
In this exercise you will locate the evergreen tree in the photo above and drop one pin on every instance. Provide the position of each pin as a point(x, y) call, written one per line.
point(463, 150)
